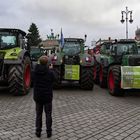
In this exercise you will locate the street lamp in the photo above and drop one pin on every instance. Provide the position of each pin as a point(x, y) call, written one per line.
point(126, 12)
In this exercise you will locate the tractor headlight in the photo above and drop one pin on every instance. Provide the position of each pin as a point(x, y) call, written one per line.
point(13, 54)
point(55, 57)
point(87, 58)
point(66, 57)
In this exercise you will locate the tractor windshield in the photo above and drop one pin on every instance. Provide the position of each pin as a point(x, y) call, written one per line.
point(71, 48)
point(7, 40)
point(124, 48)
point(36, 53)
point(35, 50)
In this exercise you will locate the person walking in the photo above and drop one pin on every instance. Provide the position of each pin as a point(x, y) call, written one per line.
point(43, 94)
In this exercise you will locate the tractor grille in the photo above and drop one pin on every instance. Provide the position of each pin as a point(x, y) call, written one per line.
point(118, 59)
point(1, 62)
point(134, 60)
point(71, 60)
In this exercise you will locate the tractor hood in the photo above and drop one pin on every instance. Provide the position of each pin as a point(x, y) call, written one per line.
point(134, 60)
point(10, 53)
point(131, 60)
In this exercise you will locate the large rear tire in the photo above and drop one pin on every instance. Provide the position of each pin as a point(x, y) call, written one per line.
point(114, 81)
point(86, 78)
point(20, 77)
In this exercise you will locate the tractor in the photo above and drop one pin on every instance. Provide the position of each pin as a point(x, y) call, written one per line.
point(119, 66)
point(35, 53)
point(105, 43)
point(15, 63)
point(72, 64)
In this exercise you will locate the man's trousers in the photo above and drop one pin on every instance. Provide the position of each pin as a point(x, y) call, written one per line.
point(48, 113)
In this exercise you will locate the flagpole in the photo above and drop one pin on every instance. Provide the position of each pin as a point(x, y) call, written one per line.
point(61, 39)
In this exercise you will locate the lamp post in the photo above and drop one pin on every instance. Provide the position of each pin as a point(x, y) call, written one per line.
point(126, 12)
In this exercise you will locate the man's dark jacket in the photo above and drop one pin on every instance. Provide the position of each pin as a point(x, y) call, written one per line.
point(43, 84)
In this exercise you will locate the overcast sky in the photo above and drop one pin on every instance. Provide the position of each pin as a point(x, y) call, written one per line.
point(96, 18)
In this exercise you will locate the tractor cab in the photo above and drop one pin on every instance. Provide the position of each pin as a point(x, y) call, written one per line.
point(35, 53)
point(12, 38)
point(124, 47)
point(73, 46)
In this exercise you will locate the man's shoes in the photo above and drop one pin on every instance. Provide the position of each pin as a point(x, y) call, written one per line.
point(38, 134)
point(49, 134)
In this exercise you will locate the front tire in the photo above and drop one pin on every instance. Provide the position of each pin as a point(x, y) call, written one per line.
point(86, 78)
point(114, 81)
point(57, 73)
point(20, 77)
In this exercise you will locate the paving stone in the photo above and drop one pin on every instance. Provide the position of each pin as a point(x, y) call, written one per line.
point(124, 134)
point(129, 138)
point(108, 137)
point(119, 138)
point(138, 138)
point(77, 115)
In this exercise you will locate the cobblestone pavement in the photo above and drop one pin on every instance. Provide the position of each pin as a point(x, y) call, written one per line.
point(77, 115)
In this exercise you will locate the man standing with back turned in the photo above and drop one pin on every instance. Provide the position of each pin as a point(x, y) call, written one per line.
point(43, 95)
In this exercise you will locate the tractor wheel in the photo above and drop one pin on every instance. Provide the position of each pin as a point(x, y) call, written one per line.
point(57, 73)
point(86, 78)
point(114, 81)
point(20, 77)
point(96, 70)
point(103, 77)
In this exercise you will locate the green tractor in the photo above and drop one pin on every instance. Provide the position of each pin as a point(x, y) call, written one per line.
point(35, 53)
point(15, 63)
point(119, 66)
point(72, 64)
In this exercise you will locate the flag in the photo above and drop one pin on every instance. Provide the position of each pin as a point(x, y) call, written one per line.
point(61, 39)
